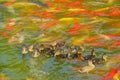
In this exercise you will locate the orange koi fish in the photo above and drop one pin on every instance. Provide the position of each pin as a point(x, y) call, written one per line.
point(99, 13)
point(9, 26)
point(48, 3)
point(61, 0)
point(110, 74)
point(91, 39)
point(4, 34)
point(50, 24)
point(9, 3)
point(115, 43)
point(115, 11)
point(74, 4)
point(47, 14)
point(58, 7)
point(112, 35)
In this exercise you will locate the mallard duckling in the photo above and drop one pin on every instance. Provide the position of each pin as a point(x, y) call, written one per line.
point(50, 53)
point(88, 68)
point(100, 60)
point(60, 54)
point(31, 48)
point(24, 49)
point(36, 53)
point(90, 57)
point(41, 48)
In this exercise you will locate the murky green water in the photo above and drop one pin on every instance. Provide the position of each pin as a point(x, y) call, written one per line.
point(18, 67)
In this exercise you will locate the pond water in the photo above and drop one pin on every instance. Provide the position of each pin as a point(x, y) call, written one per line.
point(92, 23)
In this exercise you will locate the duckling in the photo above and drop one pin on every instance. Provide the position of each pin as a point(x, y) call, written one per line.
point(24, 49)
point(60, 54)
point(100, 60)
point(31, 48)
point(36, 53)
point(90, 57)
point(41, 48)
point(50, 53)
point(88, 68)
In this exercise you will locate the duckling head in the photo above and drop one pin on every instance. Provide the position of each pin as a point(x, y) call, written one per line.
point(41, 47)
point(93, 53)
point(104, 56)
point(82, 48)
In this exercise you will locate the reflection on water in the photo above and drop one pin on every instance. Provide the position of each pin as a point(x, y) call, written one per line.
point(94, 24)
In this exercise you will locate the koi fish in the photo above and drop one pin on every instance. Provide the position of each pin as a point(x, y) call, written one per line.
point(91, 39)
point(99, 13)
point(61, 0)
point(74, 4)
point(115, 43)
point(50, 24)
point(47, 14)
point(48, 3)
point(58, 7)
point(8, 3)
point(9, 27)
point(4, 34)
point(112, 35)
point(115, 11)
point(110, 74)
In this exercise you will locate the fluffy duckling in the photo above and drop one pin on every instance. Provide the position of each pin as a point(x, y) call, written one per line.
point(31, 48)
point(36, 53)
point(50, 53)
point(61, 54)
point(100, 60)
point(88, 68)
point(41, 48)
point(24, 49)
point(90, 57)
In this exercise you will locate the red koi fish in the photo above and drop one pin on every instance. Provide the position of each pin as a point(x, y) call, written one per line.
point(115, 11)
point(4, 34)
point(110, 74)
point(9, 3)
point(50, 24)
point(115, 43)
point(9, 26)
point(58, 7)
point(61, 0)
point(74, 4)
point(112, 35)
point(91, 39)
point(48, 3)
point(99, 13)
point(47, 14)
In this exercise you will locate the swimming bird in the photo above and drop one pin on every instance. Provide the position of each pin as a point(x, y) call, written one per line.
point(90, 57)
point(88, 68)
point(24, 49)
point(100, 60)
